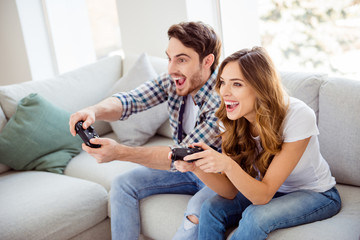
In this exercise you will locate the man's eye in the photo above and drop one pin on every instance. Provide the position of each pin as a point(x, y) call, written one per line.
point(181, 60)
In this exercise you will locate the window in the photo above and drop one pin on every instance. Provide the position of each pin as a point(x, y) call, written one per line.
point(104, 24)
point(312, 35)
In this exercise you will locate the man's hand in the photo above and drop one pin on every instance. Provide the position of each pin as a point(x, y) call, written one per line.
point(110, 109)
point(108, 151)
point(86, 115)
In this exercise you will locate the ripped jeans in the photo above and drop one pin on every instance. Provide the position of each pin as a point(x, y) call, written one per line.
point(188, 229)
point(129, 188)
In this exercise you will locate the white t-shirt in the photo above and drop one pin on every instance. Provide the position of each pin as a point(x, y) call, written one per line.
point(312, 171)
point(190, 114)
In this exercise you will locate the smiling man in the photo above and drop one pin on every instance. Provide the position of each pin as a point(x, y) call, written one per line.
point(188, 88)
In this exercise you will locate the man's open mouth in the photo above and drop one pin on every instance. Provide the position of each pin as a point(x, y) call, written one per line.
point(179, 81)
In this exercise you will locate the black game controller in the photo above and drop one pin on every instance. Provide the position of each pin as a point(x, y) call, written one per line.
point(86, 134)
point(180, 153)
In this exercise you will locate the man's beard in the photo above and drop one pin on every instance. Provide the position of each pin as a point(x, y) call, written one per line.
point(196, 83)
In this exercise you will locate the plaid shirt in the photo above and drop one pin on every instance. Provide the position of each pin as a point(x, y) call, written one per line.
point(162, 89)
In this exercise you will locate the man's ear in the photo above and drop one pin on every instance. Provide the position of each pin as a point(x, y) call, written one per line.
point(209, 60)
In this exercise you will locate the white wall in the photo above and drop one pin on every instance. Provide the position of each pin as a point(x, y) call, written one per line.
point(14, 66)
point(43, 38)
point(240, 25)
point(144, 24)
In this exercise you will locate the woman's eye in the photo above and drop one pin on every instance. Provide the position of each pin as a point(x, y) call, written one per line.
point(237, 84)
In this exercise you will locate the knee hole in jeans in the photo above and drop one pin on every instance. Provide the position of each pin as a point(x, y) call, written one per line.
point(190, 222)
point(193, 219)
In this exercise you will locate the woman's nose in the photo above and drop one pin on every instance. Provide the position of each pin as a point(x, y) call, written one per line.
point(224, 90)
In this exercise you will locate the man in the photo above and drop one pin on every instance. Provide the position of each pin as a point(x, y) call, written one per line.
point(193, 52)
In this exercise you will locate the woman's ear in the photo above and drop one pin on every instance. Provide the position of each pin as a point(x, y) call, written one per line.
point(209, 60)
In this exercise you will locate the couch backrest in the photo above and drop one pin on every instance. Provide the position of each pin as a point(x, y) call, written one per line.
point(71, 91)
point(339, 126)
point(304, 86)
point(336, 102)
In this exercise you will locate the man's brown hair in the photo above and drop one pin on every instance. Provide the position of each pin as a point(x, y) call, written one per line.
point(200, 37)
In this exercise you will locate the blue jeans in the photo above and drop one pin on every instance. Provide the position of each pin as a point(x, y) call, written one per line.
point(127, 189)
point(188, 229)
point(257, 221)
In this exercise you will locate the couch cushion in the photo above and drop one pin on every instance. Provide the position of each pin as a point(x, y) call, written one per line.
point(162, 214)
point(71, 91)
point(140, 127)
point(41, 205)
point(304, 86)
point(37, 137)
point(339, 125)
point(84, 166)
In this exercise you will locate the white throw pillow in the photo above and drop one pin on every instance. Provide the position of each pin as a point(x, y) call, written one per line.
point(140, 127)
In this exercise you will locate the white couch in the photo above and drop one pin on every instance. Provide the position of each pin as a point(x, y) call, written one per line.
point(43, 205)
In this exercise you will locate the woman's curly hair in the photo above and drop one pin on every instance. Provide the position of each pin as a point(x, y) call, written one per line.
point(259, 72)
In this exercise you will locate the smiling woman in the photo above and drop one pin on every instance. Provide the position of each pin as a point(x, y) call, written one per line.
point(239, 97)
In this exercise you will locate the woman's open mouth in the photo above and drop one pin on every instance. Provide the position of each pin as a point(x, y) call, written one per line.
point(231, 105)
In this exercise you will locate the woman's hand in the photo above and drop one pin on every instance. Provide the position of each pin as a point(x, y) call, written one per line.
point(210, 161)
point(182, 166)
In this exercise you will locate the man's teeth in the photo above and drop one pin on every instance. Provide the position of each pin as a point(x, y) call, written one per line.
point(179, 80)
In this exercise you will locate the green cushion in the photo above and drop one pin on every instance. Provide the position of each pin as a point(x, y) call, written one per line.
point(37, 137)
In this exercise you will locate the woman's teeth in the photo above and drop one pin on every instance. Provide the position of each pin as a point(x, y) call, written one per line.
point(231, 105)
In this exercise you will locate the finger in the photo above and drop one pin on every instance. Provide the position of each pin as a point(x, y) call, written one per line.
point(87, 123)
point(85, 147)
point(202, 145)
point(72, 125)
point(100, 141)
point(169, 155)
point(192, 157)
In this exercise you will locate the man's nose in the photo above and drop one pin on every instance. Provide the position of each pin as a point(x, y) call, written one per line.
point(171, 67)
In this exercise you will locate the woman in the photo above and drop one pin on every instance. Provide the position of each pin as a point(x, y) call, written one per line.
point(271, 174)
